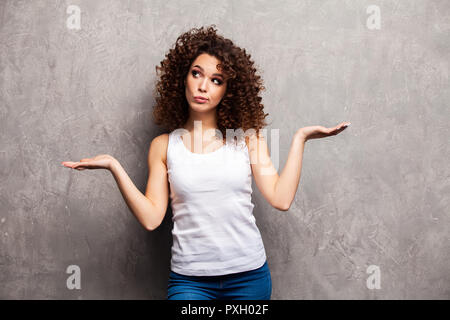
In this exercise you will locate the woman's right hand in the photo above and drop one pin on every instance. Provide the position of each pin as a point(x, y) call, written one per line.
point(103, 161)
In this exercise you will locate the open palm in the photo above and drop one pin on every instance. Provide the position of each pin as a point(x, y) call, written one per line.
point(316, 132)
point(102, 161)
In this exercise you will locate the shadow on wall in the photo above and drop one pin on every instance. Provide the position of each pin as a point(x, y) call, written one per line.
point(160, 243)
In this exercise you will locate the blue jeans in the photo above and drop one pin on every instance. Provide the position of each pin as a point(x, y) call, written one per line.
point(248, 285)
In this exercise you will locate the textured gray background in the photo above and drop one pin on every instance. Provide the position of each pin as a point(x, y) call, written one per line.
point(378, 193)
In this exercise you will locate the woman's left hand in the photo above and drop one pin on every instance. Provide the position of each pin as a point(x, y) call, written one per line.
point(316, 132)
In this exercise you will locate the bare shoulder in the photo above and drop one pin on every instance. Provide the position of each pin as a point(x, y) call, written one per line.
point(160, 144)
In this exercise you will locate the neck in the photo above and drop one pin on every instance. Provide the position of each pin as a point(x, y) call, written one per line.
point(200, 122)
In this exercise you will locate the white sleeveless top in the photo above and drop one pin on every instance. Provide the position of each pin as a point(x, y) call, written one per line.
point(214, 230)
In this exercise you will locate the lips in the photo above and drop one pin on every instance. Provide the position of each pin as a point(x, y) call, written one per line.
point(200, 99)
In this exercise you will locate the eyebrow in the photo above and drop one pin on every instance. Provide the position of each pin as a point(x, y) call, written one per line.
point(215, 74)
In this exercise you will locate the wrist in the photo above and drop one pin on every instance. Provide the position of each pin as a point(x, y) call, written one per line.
point(114, 165)
point(300, 136)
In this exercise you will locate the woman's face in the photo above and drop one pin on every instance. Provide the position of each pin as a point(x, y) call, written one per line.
point(205, 80)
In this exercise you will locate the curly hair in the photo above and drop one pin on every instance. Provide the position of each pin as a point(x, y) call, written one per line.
point(240, 106)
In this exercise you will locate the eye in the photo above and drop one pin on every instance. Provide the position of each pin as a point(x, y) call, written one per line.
point(195, 72)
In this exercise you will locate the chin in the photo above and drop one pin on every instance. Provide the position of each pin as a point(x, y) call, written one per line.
point(201, 106)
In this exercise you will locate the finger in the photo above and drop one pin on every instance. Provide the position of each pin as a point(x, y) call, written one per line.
point(74, 165)
point(68, 163)
point(78, 164)
point(342, 126)
point(82, 165)
point(335, 130)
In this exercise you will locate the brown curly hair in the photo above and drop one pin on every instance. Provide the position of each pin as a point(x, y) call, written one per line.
point(240, 106)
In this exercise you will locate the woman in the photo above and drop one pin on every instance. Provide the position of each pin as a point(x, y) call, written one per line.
point(208, 87)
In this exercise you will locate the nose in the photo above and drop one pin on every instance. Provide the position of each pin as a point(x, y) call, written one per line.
point(202, 85)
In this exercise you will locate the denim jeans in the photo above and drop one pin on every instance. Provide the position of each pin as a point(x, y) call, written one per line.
point(248, 285)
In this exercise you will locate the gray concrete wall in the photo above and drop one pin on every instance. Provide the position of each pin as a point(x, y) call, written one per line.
point(377, 194)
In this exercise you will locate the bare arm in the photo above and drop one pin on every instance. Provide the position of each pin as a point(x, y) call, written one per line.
point(280, 190)
point(150, 208)
point(287, 184)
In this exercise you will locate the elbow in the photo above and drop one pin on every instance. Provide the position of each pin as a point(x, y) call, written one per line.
point(151, 223)
point(150, 227)
point(283, 207)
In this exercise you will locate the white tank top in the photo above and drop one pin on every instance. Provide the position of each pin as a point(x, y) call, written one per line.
point(214, 230)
